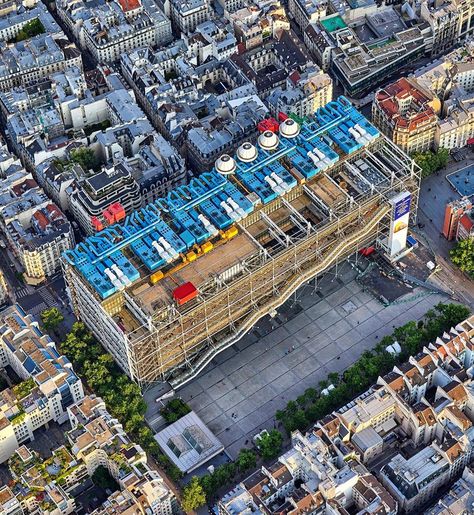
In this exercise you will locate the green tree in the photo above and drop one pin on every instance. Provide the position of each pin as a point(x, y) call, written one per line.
point(431, 162)
point(51, 318)
point(246, 460)
point(86, 158)
point(270, 444)
point(462, 255)
point(193, 495)
point(174, 410)
point(30, 29)
point(97, 372)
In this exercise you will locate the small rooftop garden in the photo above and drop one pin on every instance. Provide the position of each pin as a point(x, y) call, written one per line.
point(24, 389)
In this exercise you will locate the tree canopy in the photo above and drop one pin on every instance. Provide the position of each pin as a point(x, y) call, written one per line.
point(51, 318)
point(86, 158)
point(193, 495)
point(246, 460)
point(462, 255)
point(270, 444)
point(30, 29)
point(122, 396)
point(431, 162)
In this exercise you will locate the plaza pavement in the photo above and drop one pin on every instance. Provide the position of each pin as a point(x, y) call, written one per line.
point(324, 331)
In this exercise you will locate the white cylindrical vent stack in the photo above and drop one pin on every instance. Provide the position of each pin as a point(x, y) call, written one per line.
point(208, 226)
point(233, 204)
point(247, 152)
point(161, 251)
point(289, 129)
point(225, 165)
point(113, 279)
point(168, 248)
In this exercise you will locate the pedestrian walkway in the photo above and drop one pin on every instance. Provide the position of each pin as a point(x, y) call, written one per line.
point(48, 298)
point(37, 309)
point(22, 292)
point(240, 391)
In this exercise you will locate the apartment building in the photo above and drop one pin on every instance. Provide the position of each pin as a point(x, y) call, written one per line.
point(9, 504)
point(210, 40)
point(311, 477)
point(98, 439)
point(450, 21)
point(303, 94)
point(457, 127)
point(109, 29)
point(416, 480)
point(270, 65)
point(4, 289)
point(254, 24)
point(432, 109)
point(48, 387)
point(11, 23)
point(187, 15)
point(36, 230)
point(45, 483)
point(92, 197)
point(305, 12)
point(47, 486)
point(407, 114)
point(33, 59)
point(459, 499)
point(453, 215)
point(230, 6)
point(40, 243)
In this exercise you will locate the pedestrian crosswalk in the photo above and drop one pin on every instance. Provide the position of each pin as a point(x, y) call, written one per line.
point(48, 298)
point(22, 292)
point(37, 309)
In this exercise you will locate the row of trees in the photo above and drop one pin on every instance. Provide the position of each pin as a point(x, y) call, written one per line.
point(462, 255)
point(431, 162)
point(122, 396)
point(312, 406)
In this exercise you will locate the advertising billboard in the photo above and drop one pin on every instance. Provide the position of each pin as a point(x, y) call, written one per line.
point(397, 239)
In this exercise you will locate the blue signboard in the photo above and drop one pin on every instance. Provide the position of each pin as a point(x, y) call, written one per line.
point(402, 207)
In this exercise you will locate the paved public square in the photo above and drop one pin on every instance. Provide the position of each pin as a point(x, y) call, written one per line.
point(318, 332)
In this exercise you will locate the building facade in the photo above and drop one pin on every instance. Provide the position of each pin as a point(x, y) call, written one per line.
point(407, 114)
point(48, 387)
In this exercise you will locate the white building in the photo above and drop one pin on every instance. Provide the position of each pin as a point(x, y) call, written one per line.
point(303, 95)
point(49, 385)
point(109, 29)
point(305, 12)
point(187, 15)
